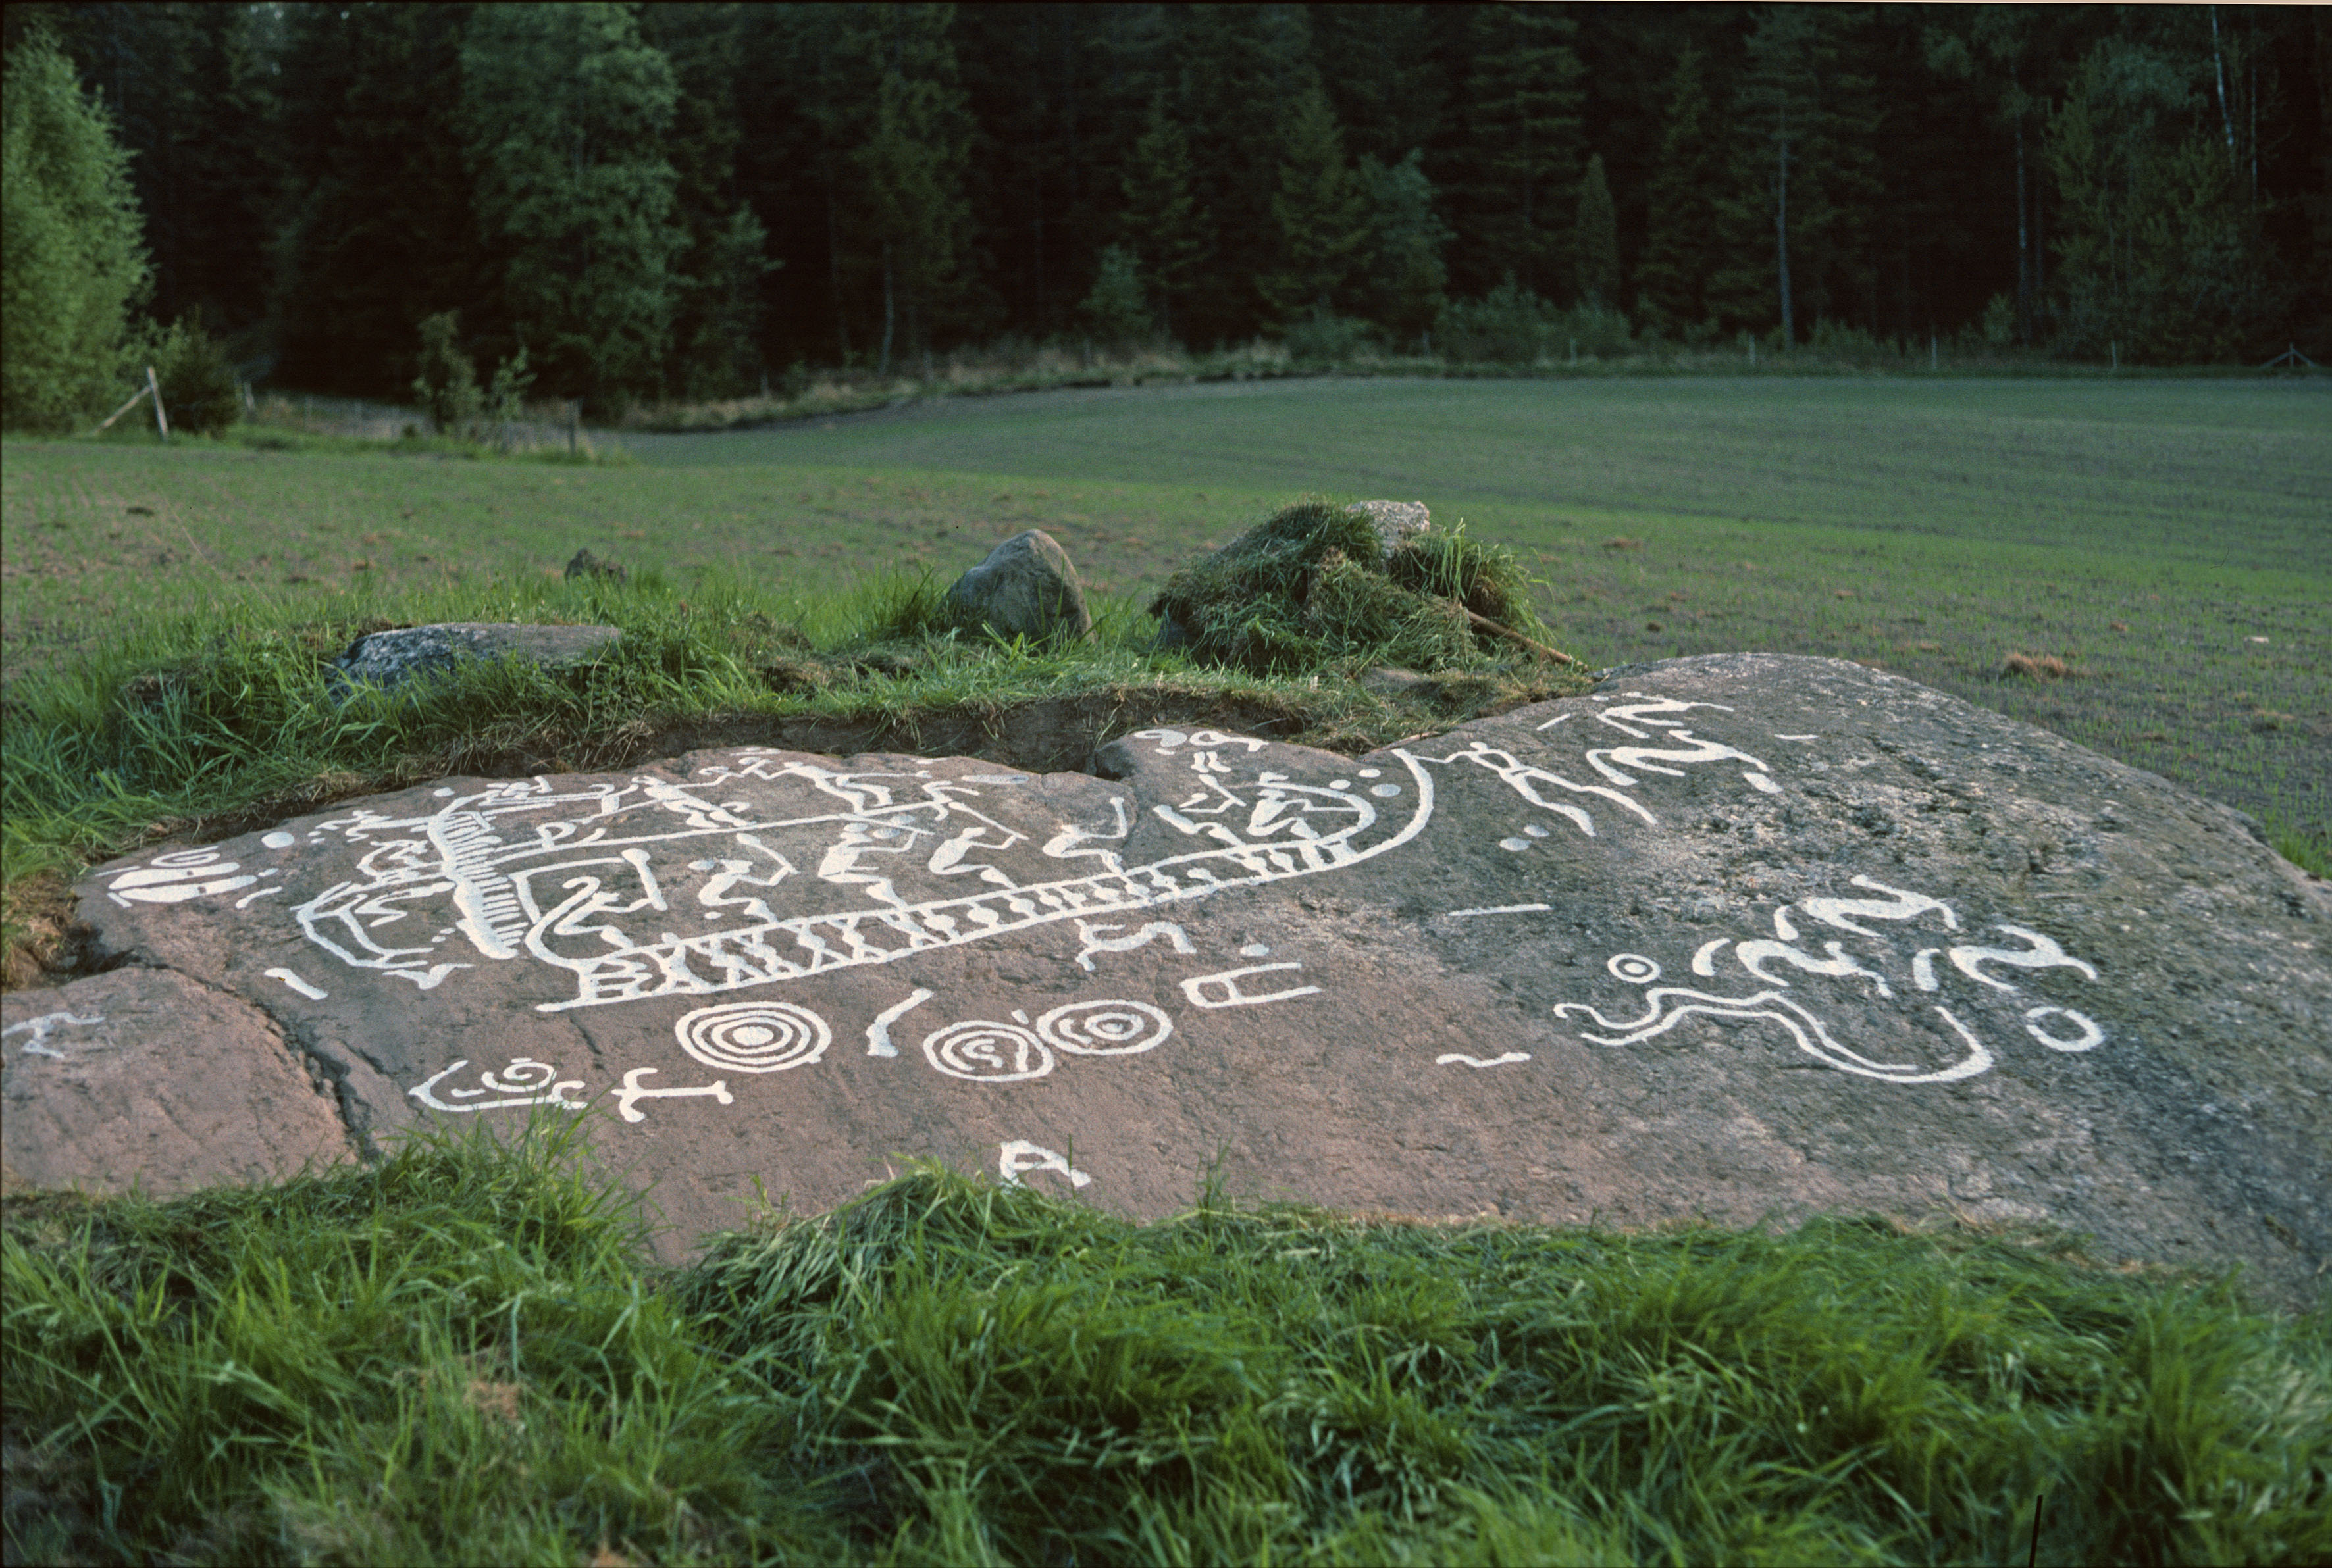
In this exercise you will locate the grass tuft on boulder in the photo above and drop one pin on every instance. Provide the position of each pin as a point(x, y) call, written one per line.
point(1312, 585)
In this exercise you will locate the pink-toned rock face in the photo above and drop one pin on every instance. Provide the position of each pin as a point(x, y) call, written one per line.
point(1731, 936)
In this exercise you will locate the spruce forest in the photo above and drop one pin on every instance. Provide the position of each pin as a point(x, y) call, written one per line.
point(687, 201)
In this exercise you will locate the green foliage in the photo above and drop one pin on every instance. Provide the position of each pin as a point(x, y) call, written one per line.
point(565, 109)
point(384, 227)
point(1509, 326)
point(200, 390)
point(1328, 339)
point(911, 167)
point(71, 259)
point(447, 387)
point(1598, 241)
point(1402, 272)
point(1521, 116)
point(2160, 257)
point(1113, 312)
point(1319, 213)
point(1168, 230)
point(1310, 586)
point(460, 1355)
point(1679, 248)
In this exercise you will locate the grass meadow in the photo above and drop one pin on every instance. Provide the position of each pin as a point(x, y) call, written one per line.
point(462, 1355)
point(2165, 545)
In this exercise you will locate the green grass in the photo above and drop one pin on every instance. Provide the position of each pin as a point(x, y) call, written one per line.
point(459, 1356)
point(2142, 533)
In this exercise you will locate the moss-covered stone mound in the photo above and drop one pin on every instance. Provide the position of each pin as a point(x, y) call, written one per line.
point(1314, 586)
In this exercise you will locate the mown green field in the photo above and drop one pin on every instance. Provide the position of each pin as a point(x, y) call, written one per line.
point(2170, 543)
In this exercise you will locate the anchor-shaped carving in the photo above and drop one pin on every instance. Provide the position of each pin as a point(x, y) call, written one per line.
point(631, 1093)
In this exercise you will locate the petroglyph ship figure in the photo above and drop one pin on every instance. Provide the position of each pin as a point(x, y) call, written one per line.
point(595, 881)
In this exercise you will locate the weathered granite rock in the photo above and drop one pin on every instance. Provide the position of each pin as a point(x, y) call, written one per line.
point(1396, 520)
point(386, 658)
point(1734, 937)
point(147, 1076)
point(1025, 587)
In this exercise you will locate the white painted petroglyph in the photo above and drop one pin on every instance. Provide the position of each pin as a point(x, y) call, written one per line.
point(753, 1036)
point(1497, 909)
point(1812, 1036)
point(1558, 718)
point(525, 1082)
point(878, 1033)
point(627, 1097)
point(1512, 845)
point(1020, 1155)
point(1899, 905)
point(2089, 1038)
point(1612, 762)
point(48, 1024)
point(1233, 994)
point(984, 1051)
point(1525, 779)
point(1797, 737)
point(177, 876)
point(1095, 942)
point(277, 839)
point(2043, 953)
point(312, 992)
point(1106, 1028)
point(1255, 950)
point(1450, 1057)
point(588, 878)
point(1671, 1005)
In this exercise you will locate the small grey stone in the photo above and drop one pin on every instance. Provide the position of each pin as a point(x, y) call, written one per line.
point(1387, 681)
point(387, 657)
point(1396, 520)
point(1025, 587)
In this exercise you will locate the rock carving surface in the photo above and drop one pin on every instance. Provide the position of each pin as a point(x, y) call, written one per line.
point(1735, 937)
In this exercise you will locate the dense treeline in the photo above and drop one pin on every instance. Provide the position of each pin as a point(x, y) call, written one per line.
point(682, 200)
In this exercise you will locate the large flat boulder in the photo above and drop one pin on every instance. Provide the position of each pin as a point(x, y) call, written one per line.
point(1733, 936)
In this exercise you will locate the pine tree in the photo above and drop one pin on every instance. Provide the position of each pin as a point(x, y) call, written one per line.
point(2158, 256)
point(379, 230)
point(1521, 151)
point(1241, 70)
point(566, 110)
point(912, 167)
point(1169, 232)
point(1598, 241)
point(1403, 274)
point(1318, 214)
point(1680, 243)
point(72, 262)
point(719, 270)
point(1775, 203)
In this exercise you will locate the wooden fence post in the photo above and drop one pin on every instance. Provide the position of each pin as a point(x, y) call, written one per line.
point(161, 420)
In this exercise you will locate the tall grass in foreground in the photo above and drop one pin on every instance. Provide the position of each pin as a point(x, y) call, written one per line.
point(456, 1356)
